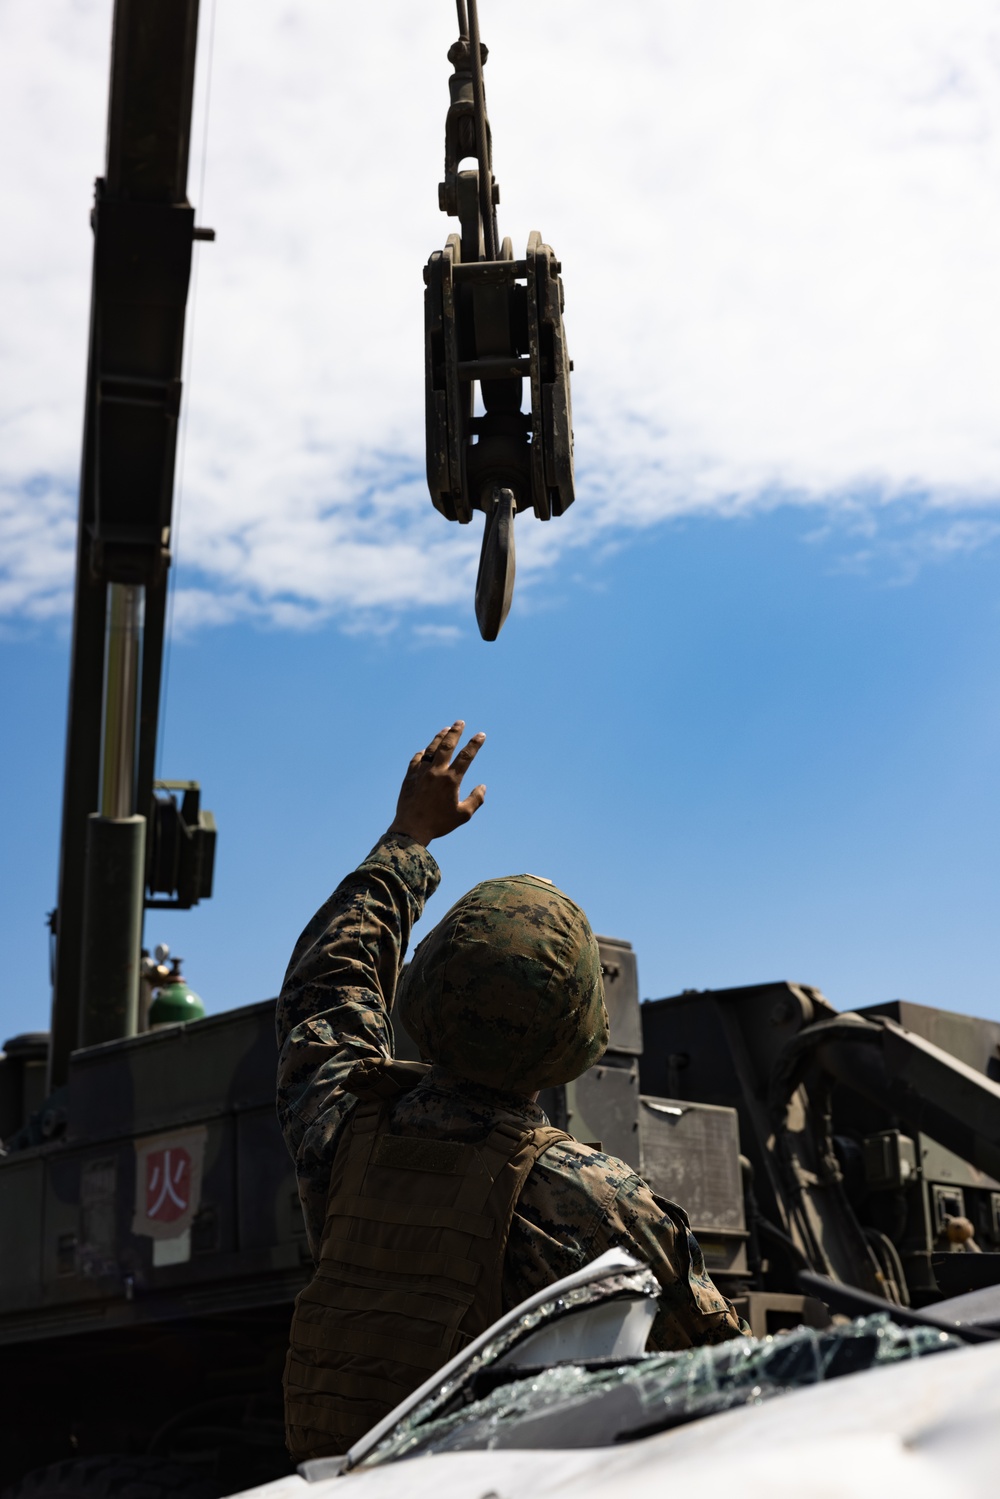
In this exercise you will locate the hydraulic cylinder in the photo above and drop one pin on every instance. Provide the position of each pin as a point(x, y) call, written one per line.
point(112, 928)
point(114, 882)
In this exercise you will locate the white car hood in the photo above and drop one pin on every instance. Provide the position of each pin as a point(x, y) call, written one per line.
point(924, 1428)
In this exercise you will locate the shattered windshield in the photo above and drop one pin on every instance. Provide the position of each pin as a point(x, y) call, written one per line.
point(598, 1403)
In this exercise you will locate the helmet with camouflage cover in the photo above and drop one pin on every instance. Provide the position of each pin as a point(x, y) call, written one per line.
point(507, 990)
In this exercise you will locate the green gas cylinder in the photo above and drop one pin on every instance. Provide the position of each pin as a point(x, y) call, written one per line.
point(174, 1002)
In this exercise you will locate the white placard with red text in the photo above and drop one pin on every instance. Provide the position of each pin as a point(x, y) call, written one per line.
point(168, 1172)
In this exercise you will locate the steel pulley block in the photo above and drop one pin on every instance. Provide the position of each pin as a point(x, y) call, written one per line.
point(491, 324)
point(497, 323)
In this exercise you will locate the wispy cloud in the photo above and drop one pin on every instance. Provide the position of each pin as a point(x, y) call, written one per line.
point(896, 548)
point(780, 227)
point(436, 634)
point(37, 546)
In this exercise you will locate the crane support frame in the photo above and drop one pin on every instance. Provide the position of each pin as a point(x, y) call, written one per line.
point(143, 231)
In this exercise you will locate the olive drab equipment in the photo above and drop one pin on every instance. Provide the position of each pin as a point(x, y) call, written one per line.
point(491, 321)
point(125, 846)
point(795, 1135)
point(410, 1267)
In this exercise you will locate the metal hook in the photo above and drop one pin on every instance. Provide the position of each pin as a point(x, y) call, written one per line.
point(495, 580)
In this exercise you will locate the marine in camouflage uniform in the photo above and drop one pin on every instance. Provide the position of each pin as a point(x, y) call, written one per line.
point(504, 997)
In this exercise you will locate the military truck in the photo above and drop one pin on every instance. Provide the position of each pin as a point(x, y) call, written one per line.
point(151, 1240)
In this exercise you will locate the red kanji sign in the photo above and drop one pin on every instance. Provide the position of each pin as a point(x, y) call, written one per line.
point(168, 1183)
point(168, 1173)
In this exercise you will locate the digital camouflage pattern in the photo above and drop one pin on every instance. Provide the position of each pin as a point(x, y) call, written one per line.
point(507, 988)
point(333, 1012)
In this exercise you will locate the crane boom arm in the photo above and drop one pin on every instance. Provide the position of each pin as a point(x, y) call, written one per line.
point(143, 232)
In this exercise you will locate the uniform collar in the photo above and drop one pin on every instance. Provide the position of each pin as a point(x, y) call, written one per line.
point(463, 1094)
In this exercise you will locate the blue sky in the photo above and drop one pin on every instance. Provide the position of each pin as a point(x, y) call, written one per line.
point(734, 747)
point(745, 705)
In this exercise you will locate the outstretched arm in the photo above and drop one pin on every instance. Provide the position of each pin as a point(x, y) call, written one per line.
point(333, 1010)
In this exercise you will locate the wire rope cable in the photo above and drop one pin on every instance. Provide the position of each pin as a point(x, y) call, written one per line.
point(482, 136)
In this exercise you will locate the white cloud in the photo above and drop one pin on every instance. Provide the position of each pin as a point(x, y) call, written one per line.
point(38, 532)
point(780, 226)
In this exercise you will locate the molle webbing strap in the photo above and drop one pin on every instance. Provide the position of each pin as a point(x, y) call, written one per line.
point(354, 1386)
point(391, 1347)
point(371, 1256)
point(410, 1270)
point(424, 1217)
point(409, 1302)
point(411, 1153)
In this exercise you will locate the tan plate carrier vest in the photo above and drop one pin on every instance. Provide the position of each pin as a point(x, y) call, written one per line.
point(410, 1271)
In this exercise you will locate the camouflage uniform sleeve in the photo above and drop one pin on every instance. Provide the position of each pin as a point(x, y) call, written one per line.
point(579, 1202)
point(333, 1010)
point(692, 1308)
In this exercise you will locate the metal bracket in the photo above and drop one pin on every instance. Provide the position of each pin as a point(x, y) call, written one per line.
point(180, 860)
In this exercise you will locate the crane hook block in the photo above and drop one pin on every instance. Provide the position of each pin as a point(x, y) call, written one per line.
point(492, 323)
point(496, 323)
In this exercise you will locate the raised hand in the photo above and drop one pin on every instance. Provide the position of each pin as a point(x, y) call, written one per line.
point(430, 803)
